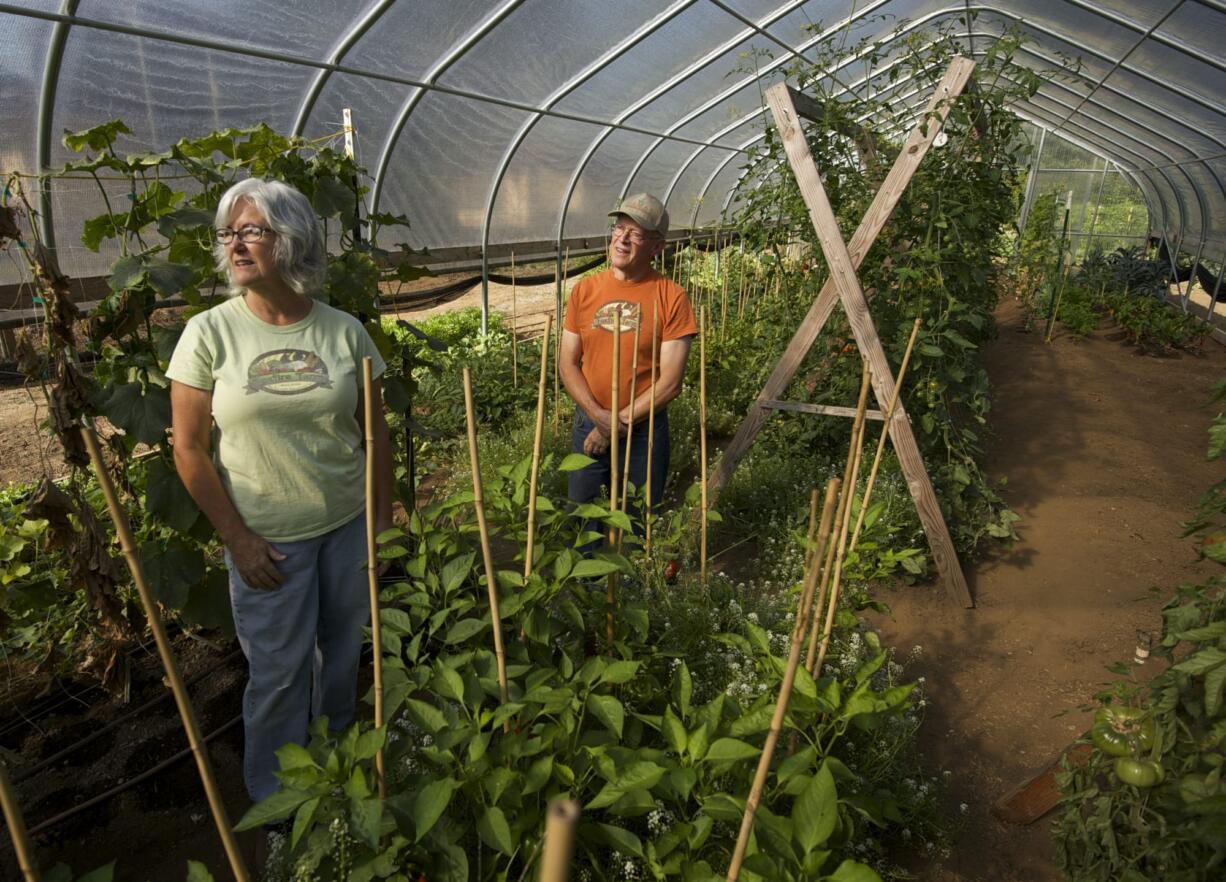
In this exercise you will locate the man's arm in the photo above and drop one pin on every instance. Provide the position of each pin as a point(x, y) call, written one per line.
point(569, 365)
point(673, 356)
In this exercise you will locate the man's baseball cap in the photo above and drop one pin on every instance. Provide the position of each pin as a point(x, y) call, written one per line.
point(645, 210)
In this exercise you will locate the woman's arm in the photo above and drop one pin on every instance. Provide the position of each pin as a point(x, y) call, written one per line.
point(191, 420)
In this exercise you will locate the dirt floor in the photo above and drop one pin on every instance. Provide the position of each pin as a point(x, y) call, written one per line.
point(1103, 447)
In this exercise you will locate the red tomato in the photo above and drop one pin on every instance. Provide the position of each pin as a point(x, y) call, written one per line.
point(670, 571)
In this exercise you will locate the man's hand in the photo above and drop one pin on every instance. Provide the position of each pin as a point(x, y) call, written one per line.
point(596, 442)
point(256, 561)
point(602, 419)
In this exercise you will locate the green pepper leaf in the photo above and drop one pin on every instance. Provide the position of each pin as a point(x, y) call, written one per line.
point(816, 812)
point(430, 804)
point(494, 831)
point(730, 750)
point(609, 711)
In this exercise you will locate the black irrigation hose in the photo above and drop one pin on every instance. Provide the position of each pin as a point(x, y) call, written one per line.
point(130, 782)
point(25, 773)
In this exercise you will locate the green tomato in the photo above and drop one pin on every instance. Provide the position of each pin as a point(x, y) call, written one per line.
point(1138, 773)
point(1122, 731)
point(1192, 788)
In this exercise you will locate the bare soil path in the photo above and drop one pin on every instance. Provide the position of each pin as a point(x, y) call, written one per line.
point(1103, 448)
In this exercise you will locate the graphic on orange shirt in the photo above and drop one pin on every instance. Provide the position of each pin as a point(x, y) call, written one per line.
point(606, 316)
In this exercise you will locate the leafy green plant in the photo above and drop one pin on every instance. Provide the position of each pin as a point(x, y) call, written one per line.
point(1150, 801)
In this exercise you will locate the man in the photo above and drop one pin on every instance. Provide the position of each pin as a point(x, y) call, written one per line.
point(633, 290)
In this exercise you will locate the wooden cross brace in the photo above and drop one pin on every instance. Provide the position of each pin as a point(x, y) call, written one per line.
point(788, 107)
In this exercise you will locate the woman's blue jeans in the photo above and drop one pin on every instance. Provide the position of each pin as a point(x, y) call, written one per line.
point(591, 482)
point(303, 643)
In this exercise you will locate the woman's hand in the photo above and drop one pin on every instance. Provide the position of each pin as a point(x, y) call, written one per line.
point(256, 560)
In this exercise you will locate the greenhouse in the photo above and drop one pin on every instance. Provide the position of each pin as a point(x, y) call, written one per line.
point(660, 439)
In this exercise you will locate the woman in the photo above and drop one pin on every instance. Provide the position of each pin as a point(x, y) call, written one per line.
point(266, 391)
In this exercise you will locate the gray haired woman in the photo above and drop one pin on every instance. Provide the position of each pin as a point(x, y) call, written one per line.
point(266, 393)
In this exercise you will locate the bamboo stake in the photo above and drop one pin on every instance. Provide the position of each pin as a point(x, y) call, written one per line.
point(153, 613)
point(616, 371)
point(1055, 311)
point(844, 508)
point(514, 329)
point(17, 828)
point(677, 264)
point(702, 436)
point(536, 448)
point(812, 527)
point(560, 820)
point(651, 423)
point(785, 696)
point(740, 291)
point(889, 415)
point(557, 350)
point(723, 309)
point(372, 567)
point(634, 375)
point(836, 580)
point(491, 583)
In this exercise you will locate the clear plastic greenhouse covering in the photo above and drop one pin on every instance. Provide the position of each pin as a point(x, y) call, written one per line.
point(500, 121)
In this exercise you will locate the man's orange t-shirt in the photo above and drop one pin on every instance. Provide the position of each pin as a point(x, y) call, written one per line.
point(591, 313)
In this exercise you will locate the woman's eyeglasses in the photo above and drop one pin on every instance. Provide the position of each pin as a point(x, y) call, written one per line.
point(248, 234)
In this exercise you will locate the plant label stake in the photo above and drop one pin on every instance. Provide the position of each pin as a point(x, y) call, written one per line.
point(17, 828)
point(843, 285)
point(536, 447)
point(651, 425)
point(560, 820)
point(154, 615)
point(486, 556)
point(372, 566)
point(614, 427)
point(781, 703)
point(702, 438)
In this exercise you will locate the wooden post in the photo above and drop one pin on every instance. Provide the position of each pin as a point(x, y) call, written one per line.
point(560, 820)
point(651, 425)
point(491, 581)
point(534, 477)
point(842, 274)
point(182, 700)
point(372, 566)
point(702, 437)
point(914, 149)
point(781, 706)
point(514, 329)
point(17, 828)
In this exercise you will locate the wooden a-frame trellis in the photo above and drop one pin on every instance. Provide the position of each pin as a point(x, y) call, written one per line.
point(788, 107)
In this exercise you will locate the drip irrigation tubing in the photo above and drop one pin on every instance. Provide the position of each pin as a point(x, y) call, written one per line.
point(22, 774)
point(130, 782)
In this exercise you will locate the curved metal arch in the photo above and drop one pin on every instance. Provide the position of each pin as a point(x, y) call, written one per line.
point(355, 33)
point(748, 81)
point(46, 110)
point(681, 76)
point(1147, 127)
point(1123, 58)
point(529, 124)
point(1107, 152)
point(454, 54)
point(1092, 137)
point(1138, 28)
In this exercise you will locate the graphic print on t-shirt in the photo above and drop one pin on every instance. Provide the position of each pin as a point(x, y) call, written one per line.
point(606, 316)
point(287, 372)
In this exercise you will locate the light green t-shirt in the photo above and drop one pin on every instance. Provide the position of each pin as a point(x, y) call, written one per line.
point(285, 397)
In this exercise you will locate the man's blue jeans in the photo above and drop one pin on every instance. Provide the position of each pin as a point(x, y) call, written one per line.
point(303, 643)
point(588, 484)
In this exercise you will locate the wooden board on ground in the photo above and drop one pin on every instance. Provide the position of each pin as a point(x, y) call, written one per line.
point(1035, 797)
